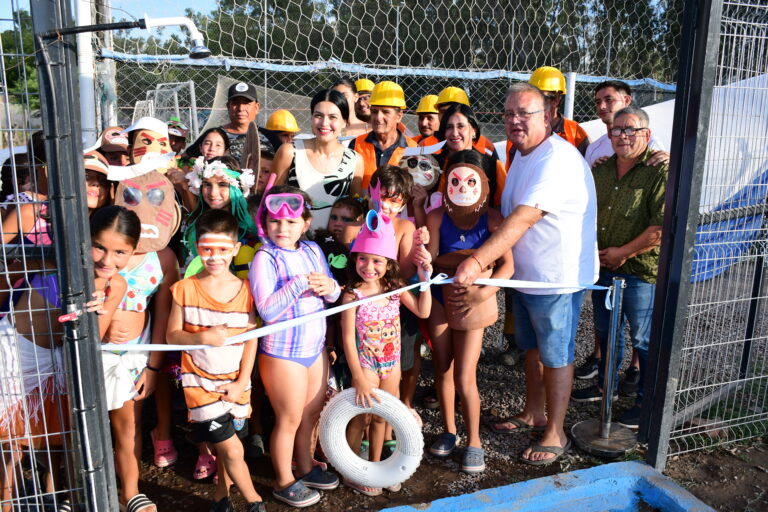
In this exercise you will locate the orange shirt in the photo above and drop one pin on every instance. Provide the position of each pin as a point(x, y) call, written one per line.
point(204, 370)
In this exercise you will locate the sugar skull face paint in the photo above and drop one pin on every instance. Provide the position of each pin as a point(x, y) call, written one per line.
point(424, 169)
point(463, 186)
point(148, 143)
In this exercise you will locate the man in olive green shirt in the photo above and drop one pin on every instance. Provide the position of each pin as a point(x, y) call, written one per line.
point(630, 212)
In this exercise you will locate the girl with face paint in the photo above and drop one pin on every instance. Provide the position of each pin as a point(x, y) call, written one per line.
point(459, 315)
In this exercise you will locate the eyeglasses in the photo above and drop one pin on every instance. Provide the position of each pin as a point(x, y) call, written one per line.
point(629, 131)
point(414, 162)
point(285, 206)
point(522, 115)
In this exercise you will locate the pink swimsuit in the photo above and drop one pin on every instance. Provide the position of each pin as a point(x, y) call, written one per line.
point(378, 335)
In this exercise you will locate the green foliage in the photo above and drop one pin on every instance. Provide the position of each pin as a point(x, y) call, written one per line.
point(18, 49)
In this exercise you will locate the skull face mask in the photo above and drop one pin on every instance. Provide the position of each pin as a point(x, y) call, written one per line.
point(424, 169)
point(151, 197)
point(466, 194)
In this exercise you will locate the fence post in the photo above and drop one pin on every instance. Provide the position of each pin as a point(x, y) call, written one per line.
point(57, 72)
point(570, 98)
point(698, 57)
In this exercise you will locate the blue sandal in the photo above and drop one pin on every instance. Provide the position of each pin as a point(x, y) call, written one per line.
point(297, 495)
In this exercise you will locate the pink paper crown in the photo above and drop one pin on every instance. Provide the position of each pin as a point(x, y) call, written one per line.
point(377, 236)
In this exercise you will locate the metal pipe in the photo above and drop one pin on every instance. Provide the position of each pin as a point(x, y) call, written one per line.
point(570, 98)
point(85, 73)
point(193, 115)
point(617, 290)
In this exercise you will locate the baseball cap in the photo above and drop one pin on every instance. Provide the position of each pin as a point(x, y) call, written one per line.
point(243, 89)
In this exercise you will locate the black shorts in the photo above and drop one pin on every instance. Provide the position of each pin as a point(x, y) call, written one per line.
point(409, 335)
point(219, 429)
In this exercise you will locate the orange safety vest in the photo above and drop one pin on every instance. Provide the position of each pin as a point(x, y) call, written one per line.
point(573, 133)
point(417, 138)
point(482, 144)
point(368, 152)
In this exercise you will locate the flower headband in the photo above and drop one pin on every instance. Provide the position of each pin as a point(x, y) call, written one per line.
point(244, 180)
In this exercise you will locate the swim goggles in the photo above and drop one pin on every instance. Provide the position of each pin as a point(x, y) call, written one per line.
point(285, 206)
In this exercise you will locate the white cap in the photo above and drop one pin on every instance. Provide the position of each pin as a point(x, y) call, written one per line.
point(149, 123)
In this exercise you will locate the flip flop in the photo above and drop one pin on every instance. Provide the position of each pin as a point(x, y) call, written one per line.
point(518, 426)
point(559, 451)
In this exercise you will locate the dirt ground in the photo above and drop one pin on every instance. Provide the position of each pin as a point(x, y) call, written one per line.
point(730, 478)
point(733, 477)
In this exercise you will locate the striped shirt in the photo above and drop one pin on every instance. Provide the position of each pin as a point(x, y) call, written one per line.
point(202, 371)
point(281, 291)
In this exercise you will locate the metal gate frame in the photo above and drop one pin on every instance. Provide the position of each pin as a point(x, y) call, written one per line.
point(57, 69)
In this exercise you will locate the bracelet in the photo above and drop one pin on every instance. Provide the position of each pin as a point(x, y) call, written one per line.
point(152, 368)
point(478, 261)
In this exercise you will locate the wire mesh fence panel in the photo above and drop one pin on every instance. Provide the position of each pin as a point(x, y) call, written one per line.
point(37, 443)
point(298, 47)
point(722, 394)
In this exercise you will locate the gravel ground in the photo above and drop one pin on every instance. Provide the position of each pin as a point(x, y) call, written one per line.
point(502, 394)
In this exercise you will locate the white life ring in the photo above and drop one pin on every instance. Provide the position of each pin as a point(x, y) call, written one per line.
point(395, 469)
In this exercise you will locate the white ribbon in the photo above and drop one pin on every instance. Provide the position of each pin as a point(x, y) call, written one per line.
point(439, 279)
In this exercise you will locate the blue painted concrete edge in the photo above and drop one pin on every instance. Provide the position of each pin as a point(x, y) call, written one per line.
point(616, 487)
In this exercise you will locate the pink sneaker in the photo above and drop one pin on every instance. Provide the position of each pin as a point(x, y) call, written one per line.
point(165, 452)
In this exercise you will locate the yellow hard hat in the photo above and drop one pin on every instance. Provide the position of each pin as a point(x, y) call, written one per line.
point(427, 105)
point(282, 121)
point(453, 95)
point(549, 79)
point(387, 94)
point(364, 85)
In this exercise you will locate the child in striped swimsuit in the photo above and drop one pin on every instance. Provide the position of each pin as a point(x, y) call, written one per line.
point(208, 308)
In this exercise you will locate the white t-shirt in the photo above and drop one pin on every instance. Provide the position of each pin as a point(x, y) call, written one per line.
point(562, 246)
point(602, 147)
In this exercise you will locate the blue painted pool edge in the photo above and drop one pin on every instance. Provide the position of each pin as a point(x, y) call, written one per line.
point(618, 487)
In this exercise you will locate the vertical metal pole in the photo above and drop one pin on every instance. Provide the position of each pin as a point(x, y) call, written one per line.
point(693, 99)
point(608, 51)
point(570, 97)
point(397, 35)
point(193, 114)
point(609, 376)
point(752, 316)
point(57, 72)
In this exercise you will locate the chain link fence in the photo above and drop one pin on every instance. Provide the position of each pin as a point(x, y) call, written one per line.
point(293, 48)
point(37, 441)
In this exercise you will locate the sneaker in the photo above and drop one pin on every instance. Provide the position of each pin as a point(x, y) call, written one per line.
point(473, 460)
point(588, 368)
point(444, 445)
point(631, 418)
point(589, 394)
point(628, 385)
point(223, 505)
point(320, 479)
point(297, 495)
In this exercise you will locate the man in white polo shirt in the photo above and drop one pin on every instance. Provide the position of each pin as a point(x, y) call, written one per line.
point(610, 97)
point(550, 222)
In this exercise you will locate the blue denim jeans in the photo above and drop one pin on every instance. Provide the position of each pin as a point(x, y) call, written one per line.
point(548, 323)
point(637, 309)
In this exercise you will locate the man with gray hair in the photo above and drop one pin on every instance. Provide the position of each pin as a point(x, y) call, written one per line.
point(550, 211)
point(630, 213)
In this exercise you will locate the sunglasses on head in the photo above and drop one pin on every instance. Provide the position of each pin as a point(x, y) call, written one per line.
point(285, 206)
